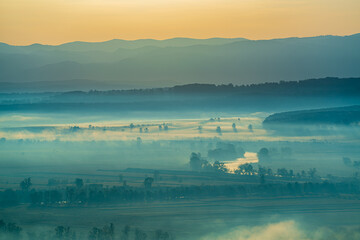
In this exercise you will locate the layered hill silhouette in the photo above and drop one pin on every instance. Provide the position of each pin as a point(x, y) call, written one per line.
point(161, 63)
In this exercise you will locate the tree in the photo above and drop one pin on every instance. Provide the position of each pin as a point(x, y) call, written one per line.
point(94, 234)
point(148, 182)
point(246, 168)
point(262, 170)
point(106, 233)
point(218, 130)
point(234, 127)
point(161, 235)
point(62, 232)
point(224, 151)
point(195, 161)
point(140, 235)
point(198, 163)
point(282, 172)
point(26, 184)
point(219, 167)
point(10, 230)
point(79, 183)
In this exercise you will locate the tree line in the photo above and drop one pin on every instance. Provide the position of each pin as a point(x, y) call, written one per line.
point(88, 194)
point(11, 231)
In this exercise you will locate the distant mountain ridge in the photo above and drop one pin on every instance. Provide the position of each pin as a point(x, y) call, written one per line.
point(161, 63)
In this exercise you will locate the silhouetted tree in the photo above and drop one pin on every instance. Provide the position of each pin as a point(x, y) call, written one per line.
point(218, 130)
point(246, 169)
point(195, 161)
point(161, 235)
point(140, 235)
point(148, 182)
point(25, 184)
point(106, 233)
point(79, 183)
point(219, 167)
point(62, 232)
point(9, 231)
point(234, 127)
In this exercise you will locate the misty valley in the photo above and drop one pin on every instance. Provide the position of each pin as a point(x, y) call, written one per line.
point(199, 161)
point(179, 120)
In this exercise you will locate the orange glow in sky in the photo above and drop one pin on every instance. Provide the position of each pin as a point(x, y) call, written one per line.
point(57, 21)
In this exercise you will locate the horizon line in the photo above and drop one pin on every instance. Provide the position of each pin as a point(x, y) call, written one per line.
point(165, 39)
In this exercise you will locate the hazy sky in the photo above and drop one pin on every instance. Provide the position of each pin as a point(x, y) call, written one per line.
point(58, 21)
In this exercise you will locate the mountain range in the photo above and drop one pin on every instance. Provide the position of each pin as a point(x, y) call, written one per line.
point(121, 64)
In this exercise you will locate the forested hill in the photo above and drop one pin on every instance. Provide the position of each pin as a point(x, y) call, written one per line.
point(266, 97)
point(311, 87)
point(342, 115)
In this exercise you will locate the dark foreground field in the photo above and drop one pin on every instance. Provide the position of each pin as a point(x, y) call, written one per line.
point(193, 219)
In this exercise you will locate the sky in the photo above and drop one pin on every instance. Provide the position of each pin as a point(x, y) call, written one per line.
point(24, 22)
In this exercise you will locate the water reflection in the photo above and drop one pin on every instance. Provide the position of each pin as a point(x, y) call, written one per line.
point(249, 157)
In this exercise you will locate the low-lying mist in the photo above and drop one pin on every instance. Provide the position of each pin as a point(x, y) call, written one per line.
point(286, 230)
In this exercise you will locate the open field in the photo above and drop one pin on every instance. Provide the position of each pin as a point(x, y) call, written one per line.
point(191, 219)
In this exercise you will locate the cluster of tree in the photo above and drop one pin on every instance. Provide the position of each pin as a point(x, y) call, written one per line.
point(248, 169)
point(225, 151)
point(266, 155)
point(90, 194)
point(198, 163)
point(10, 231)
